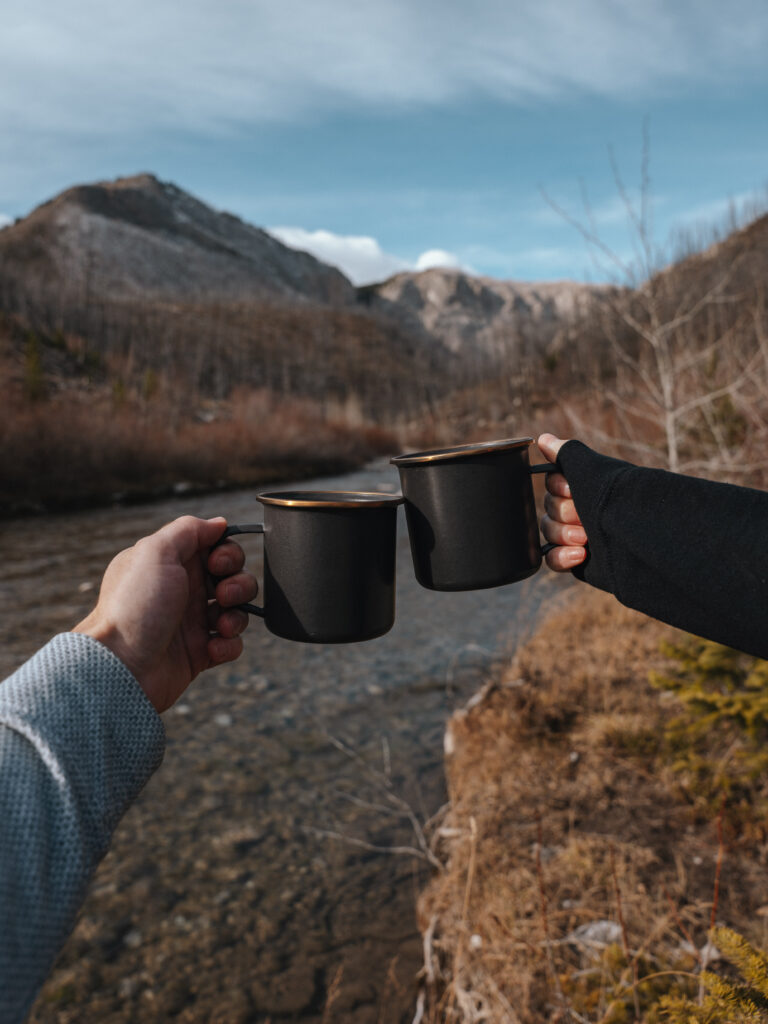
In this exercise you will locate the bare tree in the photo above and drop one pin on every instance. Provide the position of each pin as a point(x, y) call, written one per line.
point(687, 370)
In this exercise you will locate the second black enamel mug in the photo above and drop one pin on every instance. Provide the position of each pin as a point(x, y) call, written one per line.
point(329, 564)
point(471, 514)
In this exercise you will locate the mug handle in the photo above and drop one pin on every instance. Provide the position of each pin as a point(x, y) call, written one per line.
point(545, 467)
point(231, 531)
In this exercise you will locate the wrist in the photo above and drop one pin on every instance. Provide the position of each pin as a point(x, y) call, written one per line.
point(109, 636)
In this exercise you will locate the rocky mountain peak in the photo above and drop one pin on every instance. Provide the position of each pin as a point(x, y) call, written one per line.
point(479, 317)
point(139, 235)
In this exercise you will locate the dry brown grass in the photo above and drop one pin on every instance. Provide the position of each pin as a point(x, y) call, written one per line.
point(80, 448)
point(560, 818)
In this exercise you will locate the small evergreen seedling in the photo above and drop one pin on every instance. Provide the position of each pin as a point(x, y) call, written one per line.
point(726, 1001)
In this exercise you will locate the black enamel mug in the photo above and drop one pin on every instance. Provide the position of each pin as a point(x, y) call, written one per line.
point(471, 514)
point(329, 564)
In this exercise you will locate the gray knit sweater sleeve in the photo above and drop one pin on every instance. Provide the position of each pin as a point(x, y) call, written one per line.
point(78, 740)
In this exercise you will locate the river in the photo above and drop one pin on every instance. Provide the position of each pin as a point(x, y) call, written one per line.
point(223, 897)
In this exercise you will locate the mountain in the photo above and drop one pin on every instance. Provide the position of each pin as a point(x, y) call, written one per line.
point(479, 318)
point(136, 276)
point(139, 237)
point(135, 280)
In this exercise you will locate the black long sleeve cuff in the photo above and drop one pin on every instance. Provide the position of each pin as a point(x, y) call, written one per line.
point(690, 552)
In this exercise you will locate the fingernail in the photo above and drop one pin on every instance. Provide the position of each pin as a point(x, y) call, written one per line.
point(224, 566)
point(575, 536)
point(574, 556)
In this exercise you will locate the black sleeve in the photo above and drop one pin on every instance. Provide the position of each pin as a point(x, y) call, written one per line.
point(690, 552)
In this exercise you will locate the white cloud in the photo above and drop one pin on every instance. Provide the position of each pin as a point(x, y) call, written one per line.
point(5, 220)
point(439, 258)
point(94, 68)
point(360, 257)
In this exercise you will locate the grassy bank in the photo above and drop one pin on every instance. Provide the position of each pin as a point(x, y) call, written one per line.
point(599, 826)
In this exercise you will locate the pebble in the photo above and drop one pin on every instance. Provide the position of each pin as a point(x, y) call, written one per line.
point(223, 720)
point(133, 939)
point(127, 988)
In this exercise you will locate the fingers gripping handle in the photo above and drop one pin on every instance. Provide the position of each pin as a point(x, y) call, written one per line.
point(232, 531)
point(545, 467)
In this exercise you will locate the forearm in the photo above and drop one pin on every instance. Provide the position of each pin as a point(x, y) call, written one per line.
point(78, 740)
point(689, 552)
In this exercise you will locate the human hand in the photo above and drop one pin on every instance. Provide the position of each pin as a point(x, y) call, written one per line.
point(561, 524)
point(154, 612)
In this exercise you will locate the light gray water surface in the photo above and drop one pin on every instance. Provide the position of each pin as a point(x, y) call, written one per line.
point(221, 899)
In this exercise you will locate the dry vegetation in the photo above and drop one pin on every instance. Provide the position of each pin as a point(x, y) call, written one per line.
point(678, 357)
point(584, 870)
point(72, 433)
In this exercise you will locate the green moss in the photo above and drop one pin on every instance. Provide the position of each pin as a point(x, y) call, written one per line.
point(718, 746)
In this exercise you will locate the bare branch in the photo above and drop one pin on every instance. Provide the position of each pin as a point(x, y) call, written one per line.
point(408, 851)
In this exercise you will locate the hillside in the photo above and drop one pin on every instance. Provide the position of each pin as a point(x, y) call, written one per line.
point(598, 826)
point(136, 277)
point(141, 238)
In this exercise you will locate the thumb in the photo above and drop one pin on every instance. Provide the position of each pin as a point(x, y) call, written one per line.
point(188, 535)
point(549, 445)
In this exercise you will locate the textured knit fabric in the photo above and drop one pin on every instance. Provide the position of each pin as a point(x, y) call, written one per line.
point(689, 552)
point(78, 740)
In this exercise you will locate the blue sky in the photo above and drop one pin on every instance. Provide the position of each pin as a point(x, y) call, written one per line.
point(402, 134)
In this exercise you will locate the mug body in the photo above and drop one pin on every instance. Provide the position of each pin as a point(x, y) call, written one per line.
point(329, 565)
point(471, 515)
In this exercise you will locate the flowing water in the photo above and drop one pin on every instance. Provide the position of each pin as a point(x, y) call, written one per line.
point(242, 885)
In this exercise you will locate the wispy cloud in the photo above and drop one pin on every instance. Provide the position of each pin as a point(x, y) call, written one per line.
point(91, 67)
point(743, 205)
point(360, 257)
point(617, 210)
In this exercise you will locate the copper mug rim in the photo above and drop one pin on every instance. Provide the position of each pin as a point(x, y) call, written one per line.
point(460, 451)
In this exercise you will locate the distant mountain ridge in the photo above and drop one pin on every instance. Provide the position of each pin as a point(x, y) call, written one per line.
point(139, 237)
point(479, 316)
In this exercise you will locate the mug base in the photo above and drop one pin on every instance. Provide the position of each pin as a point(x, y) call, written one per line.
point(482, 585)
point(306, 638)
